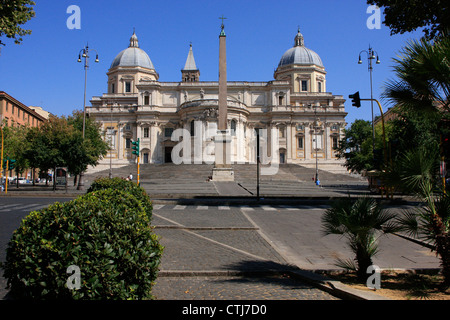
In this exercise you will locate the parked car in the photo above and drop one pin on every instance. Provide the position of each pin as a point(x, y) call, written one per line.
point(21, 180)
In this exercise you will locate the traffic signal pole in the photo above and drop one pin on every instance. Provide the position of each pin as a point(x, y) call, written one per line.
point(6, 182)
point(1, 161)
point(137, 151)
point(356, 102)
point(382, 124)
point(138, 172)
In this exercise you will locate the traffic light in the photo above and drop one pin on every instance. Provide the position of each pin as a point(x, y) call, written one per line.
point(356, 100)
point(12, 164)
point(135, 147)
point(445, 144)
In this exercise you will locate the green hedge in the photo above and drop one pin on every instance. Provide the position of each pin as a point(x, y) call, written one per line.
point(124, 185)
point(106, 233)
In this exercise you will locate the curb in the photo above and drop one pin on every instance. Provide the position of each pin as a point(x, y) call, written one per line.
point(333, 287)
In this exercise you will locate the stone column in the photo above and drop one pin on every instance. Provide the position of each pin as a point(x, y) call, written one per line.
point(153, 141)
point(289, 142)
point(308, 143)
point(120, 141)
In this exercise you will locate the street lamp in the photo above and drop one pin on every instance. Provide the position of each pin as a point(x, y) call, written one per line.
point(84, 53)
point(111, 132)
point(371, 56)
point(316, 127)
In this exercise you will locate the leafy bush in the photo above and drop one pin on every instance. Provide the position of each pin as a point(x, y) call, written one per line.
point(124, 185)
point(106, 233)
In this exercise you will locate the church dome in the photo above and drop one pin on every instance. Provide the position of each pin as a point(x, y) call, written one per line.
point(300, 55)
point(133, 56)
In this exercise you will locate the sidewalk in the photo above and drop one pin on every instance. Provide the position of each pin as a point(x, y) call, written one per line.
point(276, 191)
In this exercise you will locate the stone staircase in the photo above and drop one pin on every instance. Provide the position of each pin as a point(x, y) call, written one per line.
point(243, 173)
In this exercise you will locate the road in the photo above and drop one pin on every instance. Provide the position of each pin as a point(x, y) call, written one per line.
point(12, 211)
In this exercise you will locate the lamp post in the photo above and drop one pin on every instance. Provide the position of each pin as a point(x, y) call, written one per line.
point(111, 132)
point(84, 53)
point(1, 161)
point(316, 131)
point(371, 56)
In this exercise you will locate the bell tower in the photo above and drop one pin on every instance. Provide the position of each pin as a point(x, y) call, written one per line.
point(190, 73)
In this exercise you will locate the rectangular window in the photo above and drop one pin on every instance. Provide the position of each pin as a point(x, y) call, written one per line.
point(113, 88)
point(128, 143)
point(128, 86)
point(300, 143)
point(335, 142)
point(304, 85)
point(319, 86)
point(111, 137)
point(280, 100)
point(317, 142)
point(146, 133)
point(168, 132)
point(147, 100)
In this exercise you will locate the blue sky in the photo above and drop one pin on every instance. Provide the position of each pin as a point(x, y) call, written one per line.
point(43, 70)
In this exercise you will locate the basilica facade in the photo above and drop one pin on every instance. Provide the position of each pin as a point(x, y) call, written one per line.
point(295, 107)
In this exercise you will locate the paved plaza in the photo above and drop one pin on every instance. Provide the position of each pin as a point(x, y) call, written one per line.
point(234, 246)
point(222, 243)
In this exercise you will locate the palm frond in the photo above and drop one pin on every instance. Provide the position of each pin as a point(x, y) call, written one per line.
point(408, 223)
point(347, 264)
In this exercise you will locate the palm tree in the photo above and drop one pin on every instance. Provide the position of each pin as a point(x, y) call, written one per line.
point(423, 71)
point(430, 222)
point(423, 84)
point(362, 222)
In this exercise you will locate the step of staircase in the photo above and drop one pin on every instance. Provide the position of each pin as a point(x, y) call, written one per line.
point(201, 172)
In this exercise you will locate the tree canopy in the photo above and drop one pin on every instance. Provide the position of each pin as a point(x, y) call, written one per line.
point(57, 142)
point(408, 15)
point(14, 13)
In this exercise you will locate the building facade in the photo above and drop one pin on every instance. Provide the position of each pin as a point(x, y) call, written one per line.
point(295, 107)
point(15, 113)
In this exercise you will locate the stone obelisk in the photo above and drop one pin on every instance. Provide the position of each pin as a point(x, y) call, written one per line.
point(222, 170)
point(222, 125)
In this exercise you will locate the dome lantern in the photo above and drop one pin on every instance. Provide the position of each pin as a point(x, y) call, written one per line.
point(300, 55)
point(299, 40)
point(134, 43)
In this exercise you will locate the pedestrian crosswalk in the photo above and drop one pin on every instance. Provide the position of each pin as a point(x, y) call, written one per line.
point(269, 208)
point(21, 207)
point(273, 208)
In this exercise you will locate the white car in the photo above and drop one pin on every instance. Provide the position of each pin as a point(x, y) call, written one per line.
point(21, 181)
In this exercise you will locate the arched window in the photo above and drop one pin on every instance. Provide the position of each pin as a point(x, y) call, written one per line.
point(147, 99)
point(233, 127)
